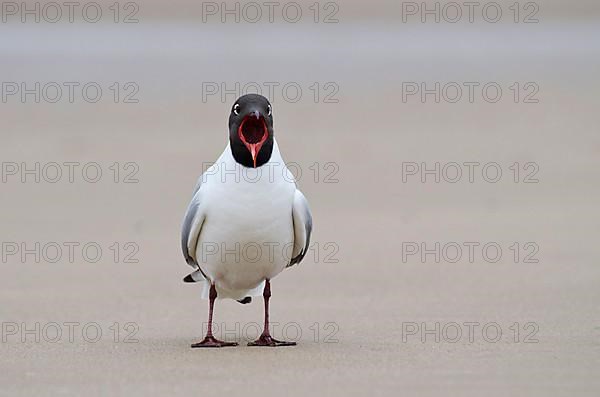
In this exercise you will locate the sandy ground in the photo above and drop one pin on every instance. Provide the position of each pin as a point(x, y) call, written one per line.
point(363, 311)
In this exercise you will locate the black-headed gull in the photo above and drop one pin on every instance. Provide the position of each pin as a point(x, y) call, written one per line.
point(247, 221)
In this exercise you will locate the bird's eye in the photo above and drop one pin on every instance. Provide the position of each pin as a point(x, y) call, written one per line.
point(269, 110)
point(236, 108)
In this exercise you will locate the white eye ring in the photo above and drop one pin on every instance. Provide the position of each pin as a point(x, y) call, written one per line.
point(269, 110)
point(236, 108)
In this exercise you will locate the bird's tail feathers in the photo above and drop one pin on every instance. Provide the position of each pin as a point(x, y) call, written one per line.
point(194, 277)
point(242, 296)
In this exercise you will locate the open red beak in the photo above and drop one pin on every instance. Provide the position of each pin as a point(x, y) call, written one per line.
point(253, 133)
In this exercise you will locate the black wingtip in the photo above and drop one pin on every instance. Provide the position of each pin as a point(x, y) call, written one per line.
point(246, 300)
point(188, 279)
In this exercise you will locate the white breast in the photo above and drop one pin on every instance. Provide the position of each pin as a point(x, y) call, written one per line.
point(247, 234)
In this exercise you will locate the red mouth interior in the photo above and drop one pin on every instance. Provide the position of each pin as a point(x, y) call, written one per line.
point(253, 133)
point(253, 130)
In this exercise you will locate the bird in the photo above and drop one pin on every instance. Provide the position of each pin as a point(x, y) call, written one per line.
point(247, 220)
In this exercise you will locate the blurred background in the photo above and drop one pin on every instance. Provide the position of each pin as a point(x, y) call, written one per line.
point(111, 110)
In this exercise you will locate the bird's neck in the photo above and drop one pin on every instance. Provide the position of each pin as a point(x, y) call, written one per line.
point(242, 156)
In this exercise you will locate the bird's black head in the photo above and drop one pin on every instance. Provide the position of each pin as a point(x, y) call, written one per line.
point(251, 130)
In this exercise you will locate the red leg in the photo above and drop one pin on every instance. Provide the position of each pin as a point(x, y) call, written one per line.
point(265, 338)
point(209, 340)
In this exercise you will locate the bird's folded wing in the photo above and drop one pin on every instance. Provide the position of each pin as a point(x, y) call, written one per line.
point(192, 225)
point(302, 219)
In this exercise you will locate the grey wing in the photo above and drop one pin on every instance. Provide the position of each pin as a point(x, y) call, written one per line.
point(302, 220)
point(192, 226)
point(198, 184)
